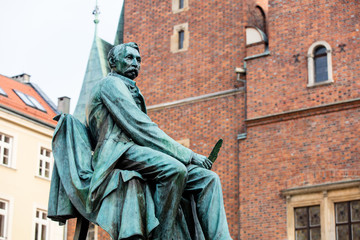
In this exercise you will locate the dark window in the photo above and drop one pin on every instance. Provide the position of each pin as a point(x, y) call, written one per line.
point(181, 39)
point(307, 223)
point(347, 215)
point(321, 67)
point(181, 4)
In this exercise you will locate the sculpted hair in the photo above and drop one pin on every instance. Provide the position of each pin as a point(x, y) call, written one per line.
point(117, 49)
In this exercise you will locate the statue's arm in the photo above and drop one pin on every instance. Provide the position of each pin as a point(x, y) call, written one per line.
point(137, 124)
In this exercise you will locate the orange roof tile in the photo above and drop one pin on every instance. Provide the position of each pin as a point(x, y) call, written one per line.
point(13, 101)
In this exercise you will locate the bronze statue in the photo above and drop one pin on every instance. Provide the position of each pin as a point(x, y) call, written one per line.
point(128, 146)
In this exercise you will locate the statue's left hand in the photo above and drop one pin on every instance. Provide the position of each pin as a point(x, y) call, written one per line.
point(201, 161)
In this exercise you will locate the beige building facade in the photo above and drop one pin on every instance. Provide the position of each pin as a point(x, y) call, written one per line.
point(26, 163)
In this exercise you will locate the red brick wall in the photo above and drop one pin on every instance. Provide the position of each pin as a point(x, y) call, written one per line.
point(215, 47)
point(276, 83)
point(311, 148)
point(286, 154)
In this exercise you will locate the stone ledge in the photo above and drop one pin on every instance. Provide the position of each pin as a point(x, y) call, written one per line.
point(304, 112)
point(320, 188)
point(195, 99)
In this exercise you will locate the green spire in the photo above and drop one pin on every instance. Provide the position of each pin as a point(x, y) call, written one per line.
point(97, 66)
point(96, 69)
point(119, 38)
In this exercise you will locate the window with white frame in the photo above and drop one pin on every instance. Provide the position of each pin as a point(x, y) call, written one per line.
point(319, 64)
point(4, 216)
point(92, 232)
point(6, 142)
point(41, 225)
point(324, 212)
point(45, 163)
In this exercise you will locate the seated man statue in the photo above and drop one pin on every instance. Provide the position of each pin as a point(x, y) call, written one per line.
point(123, 137)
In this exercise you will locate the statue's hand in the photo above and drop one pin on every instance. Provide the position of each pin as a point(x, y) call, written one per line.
point(201, 161)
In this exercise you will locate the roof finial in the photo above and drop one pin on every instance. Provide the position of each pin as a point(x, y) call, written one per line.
point(96, 13)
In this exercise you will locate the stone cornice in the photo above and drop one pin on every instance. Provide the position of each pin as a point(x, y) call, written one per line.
point(320, 188)
point(304, 112)
point(194, 99)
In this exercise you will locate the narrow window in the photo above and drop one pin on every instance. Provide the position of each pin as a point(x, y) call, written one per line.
point(319, 64)
point(347, 219)
point(91, 235)
point(321, 67)
point(44, 163)
point(307, 223)
point(3, 219)
point(41, 225)
point(181, 39)
point(181, 4)
point(5, 149)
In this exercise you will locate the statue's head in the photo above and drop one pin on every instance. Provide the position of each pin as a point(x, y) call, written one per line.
point(125, 59)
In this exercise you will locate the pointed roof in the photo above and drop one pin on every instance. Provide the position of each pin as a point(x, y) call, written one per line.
point(96, 69)
point(119, 38)
point(26, 100)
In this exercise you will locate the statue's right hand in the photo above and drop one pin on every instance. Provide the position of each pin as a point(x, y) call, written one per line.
point(201, 161)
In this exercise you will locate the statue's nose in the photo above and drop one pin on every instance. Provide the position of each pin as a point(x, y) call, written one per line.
point(135, 63)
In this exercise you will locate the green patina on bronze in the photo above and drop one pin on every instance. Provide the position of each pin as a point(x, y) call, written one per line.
point(122, 172)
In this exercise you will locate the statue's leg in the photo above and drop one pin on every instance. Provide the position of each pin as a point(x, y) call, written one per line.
point(167, 174)
point(206, 187)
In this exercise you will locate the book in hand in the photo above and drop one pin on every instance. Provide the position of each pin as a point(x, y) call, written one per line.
point(214, 153)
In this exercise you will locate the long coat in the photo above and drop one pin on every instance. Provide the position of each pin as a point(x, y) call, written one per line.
point(88, 183)
point(116, 123)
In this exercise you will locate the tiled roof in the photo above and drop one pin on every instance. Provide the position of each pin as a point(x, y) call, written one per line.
point(12, 101)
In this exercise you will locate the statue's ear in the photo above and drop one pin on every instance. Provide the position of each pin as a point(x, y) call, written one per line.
point(111, 62)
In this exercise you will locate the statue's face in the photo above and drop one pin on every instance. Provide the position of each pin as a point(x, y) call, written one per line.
point(127, 62)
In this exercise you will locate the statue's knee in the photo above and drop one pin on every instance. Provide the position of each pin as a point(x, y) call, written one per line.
point(213, 178)
point(182, 170)
point(178, 169)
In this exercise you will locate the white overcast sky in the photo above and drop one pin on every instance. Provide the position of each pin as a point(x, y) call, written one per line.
point(51, 40)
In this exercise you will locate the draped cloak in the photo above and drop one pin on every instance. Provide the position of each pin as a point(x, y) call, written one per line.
point(85, 179)
point(125, 208)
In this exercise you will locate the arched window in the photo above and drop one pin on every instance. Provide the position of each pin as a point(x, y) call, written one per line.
point(319, 64)
point(260, 18)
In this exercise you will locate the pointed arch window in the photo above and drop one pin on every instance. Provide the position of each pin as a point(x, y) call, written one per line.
point(319, 64)
point(179, 41)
